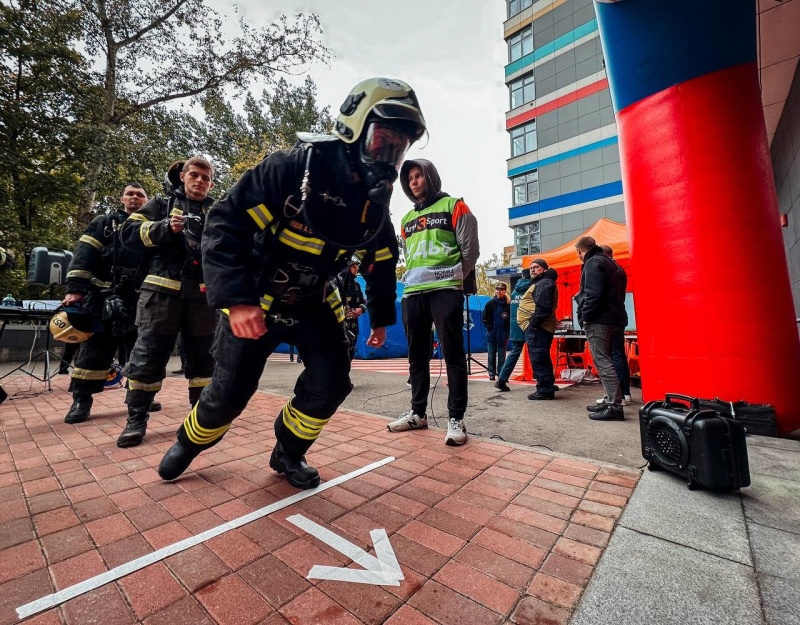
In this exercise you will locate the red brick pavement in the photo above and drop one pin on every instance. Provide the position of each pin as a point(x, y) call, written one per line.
point(486, 533)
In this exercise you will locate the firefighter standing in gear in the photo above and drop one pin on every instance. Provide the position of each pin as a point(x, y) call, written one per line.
point(173, 295)
point(271, 250)
point(106, 281)
point(354, 303)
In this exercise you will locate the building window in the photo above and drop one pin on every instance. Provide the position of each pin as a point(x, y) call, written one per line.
point(523, 138)
point(522, 91)
point(515, 6)
point(526, 239)
point(526, 188)
point(520, 44)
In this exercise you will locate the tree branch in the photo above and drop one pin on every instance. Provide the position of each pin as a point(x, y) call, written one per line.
point(152, 25)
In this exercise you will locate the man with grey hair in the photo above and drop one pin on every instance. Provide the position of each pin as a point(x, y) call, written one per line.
point(601, 312)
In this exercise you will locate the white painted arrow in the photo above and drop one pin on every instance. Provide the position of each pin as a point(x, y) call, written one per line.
point(382, 570)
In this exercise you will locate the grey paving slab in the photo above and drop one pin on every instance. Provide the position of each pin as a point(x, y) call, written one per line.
point(775, 552)
point(663, 506)
point(642, 579)
point(773, 502)
point(780, 463)
point(781, 599)
point(778, 443)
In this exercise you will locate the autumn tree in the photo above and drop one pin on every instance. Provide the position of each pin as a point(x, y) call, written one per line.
point(151, 52)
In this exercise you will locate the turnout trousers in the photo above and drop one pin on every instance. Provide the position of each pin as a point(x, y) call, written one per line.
point(160, 316)
point(320, 389)
point(93, 361)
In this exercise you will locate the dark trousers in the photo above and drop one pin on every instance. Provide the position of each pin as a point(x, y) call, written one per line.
point(319, 391)
point(160, 316)
point(620, 359)
point(94, 360)
point(511, 359)
point(539, 342)
point(445, 310)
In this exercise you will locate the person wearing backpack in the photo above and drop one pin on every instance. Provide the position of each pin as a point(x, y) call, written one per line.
point(271, 250)
point(173, 295)
point(101, 276)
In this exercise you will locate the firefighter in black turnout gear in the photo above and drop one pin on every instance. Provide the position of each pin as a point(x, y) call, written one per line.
point(354, 303)
point(271, 250)
point(173, 295)
point(105, 280)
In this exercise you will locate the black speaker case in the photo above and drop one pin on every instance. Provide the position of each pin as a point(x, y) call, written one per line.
point(702, 446)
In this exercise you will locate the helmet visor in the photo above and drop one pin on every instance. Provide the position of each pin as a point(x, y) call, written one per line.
point(385, 143)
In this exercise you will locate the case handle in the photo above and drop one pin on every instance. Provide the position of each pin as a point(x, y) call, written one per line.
point(693, 402)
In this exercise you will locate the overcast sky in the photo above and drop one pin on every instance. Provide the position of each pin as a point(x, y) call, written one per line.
point(452, 53)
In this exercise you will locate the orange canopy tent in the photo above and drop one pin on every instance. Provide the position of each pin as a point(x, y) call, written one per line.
point(566, 262)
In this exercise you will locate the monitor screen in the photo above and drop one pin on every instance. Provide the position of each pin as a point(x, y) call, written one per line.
point(631, 327)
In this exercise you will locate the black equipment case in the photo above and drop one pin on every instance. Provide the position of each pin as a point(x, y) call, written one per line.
point(703, 446)
point(757, 419)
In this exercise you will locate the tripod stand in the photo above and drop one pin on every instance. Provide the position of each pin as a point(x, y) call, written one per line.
point(469, 325)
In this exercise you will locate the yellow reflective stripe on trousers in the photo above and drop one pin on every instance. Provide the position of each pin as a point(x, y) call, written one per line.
point(261, 215)
point(301, 425)
point(90, 374)
point(200, 435)
point(135, 385)
point(175, 285)
point(311, 245)
point(91, 241)
point(199, 382)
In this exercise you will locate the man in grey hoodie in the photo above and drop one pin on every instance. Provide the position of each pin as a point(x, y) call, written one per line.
point(441, 243)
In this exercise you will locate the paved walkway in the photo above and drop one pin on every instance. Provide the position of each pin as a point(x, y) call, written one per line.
point(485, 533)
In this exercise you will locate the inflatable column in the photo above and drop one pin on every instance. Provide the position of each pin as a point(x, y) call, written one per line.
point(714, 310)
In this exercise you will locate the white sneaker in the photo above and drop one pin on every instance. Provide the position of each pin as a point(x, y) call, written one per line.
point(602, 400)
point(408, 421)
point(627, 398)
point(456, 433)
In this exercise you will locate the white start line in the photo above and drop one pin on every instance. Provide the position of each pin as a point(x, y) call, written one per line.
point(382, 569)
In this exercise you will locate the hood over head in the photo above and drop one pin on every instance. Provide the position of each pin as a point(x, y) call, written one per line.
point(433, 184)
point(522, 285)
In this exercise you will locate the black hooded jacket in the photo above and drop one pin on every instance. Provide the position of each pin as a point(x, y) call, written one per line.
point(602, 295)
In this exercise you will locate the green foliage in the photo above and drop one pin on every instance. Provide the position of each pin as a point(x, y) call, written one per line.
point(486, 286)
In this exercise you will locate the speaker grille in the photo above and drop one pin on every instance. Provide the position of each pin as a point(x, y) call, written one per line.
point(667, 443)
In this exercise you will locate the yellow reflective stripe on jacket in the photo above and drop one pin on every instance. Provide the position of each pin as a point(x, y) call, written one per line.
point(383, 254)
point(91, 241)
point(80, 273)
point(261, 215)
point(311, 245)
point(99, 283)
point(90, 374)
point(175, 285)
point(137, 217)
point(199, 382)
point(266, 302)
point(200, 435)
point(144, 233)
point(335, 302)
point(302, 425)
point(135, 385)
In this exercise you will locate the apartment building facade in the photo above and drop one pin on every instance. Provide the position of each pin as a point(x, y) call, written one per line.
point(564, 162)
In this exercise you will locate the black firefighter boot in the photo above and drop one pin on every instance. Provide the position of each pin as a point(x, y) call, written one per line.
point(177, 459)
point(298, 473)
point(135, 428)
point(81, 406)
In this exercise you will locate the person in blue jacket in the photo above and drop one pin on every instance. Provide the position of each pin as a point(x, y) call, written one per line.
point(497, 319)
point(517, 336)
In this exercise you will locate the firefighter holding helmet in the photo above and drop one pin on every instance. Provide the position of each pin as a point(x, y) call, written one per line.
point(271, 250)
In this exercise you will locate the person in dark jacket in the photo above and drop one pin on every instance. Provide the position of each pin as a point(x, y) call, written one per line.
point(618, 354)
point(497, 321)
point(103, 274)
point(271, 250)
point(537, 317)
point(173, 295)
point(516, 335)
point(354, 303)
point(601, 312)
